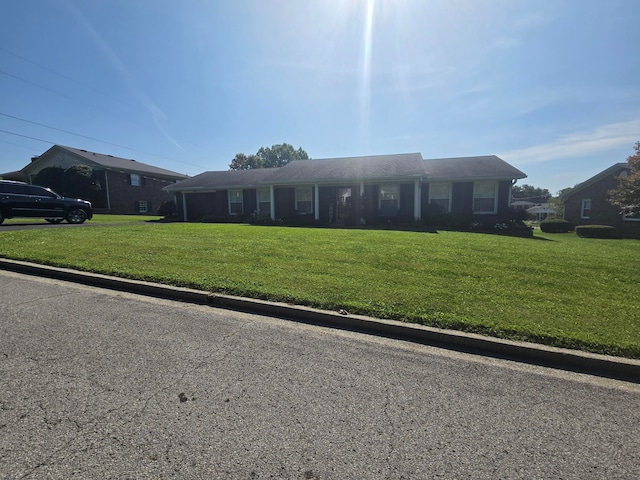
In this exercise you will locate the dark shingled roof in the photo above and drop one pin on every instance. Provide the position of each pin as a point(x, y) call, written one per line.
point(123, 164)
point(340, 170)
point(463, 168)
point(224, 179)
point(351, 168)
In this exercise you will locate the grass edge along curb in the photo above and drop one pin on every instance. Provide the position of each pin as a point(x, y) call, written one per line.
point(584, 362)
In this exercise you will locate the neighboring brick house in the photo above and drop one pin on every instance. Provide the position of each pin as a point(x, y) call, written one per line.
point(588, 202)
point(397, 188)
point(127, 186)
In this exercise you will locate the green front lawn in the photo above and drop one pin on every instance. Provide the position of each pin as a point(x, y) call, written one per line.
point(556, 289)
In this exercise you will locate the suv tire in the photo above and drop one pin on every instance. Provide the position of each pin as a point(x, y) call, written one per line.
point(76, 216)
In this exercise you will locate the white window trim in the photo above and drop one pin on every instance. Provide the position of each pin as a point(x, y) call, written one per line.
point(267, 192)
point(298, 190)
point(241, 202)
point(138, 180)
point(146, 206)
point(495, 198)
point(625, 218)
point(440, 198)
point(582, 205)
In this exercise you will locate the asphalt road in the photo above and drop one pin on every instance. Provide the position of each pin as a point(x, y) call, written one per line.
point(100, 384)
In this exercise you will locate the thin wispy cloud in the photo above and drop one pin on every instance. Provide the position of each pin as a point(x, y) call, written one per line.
point(579, 144)
point(120, 67)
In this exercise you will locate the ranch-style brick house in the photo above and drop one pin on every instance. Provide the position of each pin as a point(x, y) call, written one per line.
point(127, 186)
point(588, 202)
point(399, 188)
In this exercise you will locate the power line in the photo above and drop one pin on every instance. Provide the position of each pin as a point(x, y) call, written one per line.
point(61, 75)
point(90, 138)
point(70, 97)
point(72, 133)
point(74, 99)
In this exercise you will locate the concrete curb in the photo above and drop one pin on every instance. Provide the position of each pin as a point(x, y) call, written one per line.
point(565, 359)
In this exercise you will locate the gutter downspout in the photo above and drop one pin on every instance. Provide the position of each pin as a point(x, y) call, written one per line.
point(272, 203)
point(106, 184)
point(184, 207)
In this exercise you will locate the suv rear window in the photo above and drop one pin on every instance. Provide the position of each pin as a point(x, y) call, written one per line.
point(13, 188)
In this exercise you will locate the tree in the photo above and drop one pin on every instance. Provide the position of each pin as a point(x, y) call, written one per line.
point(244, 162)
point(78, 181)
point(268, 157)
point(531, 193)
point(627, 194)
point(50, 177)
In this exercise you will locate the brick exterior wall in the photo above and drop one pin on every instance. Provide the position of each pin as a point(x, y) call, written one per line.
point(124, 197)
point(602, 212)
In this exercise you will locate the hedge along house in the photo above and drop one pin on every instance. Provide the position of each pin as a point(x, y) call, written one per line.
point(127, 186)
point(588, 203)
point(398, 188)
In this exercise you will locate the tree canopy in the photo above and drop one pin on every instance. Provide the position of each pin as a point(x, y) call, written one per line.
point(627, 194)
point(529, 192)
point(75, 181)
point(268, 157)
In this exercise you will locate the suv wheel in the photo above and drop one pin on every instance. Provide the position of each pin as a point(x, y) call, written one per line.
point(76, 215)
point(1, 217)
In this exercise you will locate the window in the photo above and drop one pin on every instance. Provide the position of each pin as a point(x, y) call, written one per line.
point(631, 217)
point(136, 180)
point(40, 192)
point(389, 199)
point(585, 210)
point(235, 202)
point(15, 188)
point(142, 206)
point(303, 200)
point(440, 194)
point(264, 201)
point(484, 197)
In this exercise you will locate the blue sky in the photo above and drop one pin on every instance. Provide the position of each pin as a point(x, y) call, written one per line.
point(551, 86)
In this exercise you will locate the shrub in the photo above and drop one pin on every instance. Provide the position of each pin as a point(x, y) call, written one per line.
point(554, 225)
point(596, 231)
point(168, 209)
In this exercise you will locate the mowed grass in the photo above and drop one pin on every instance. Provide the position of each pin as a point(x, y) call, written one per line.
point(554, 289)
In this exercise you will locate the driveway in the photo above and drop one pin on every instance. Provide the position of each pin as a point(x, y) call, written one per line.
point(100, 384)
point(37, 223)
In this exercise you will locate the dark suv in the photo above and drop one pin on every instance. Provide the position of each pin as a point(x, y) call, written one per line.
point(18, 199)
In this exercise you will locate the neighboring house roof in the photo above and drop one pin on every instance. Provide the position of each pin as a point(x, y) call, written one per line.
point(541, 209)
point(369, 168)
point(109, 162)
point(615, 169)
point(468, 168)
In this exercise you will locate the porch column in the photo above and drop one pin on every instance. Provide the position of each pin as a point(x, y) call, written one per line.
point(316, 202)
point(361, 205)
point(272, 203)
point(184, 206)
point(106, 187)
point(417, 200)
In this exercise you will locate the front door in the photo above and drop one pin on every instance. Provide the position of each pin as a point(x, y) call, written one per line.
point(343, 204)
